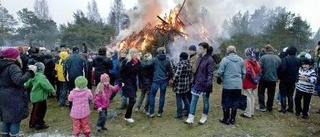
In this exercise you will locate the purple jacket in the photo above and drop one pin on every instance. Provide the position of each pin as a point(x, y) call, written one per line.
point(80, 102)
point(204, 74)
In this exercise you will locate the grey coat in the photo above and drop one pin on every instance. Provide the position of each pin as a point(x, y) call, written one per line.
point(269, 65)
point(231, 71)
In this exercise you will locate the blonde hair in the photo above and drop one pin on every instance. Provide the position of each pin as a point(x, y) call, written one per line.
point(131, 52)
point(100, 88)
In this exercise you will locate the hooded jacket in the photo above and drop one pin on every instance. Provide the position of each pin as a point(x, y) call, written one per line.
point(13, 97)
point(231, 71)
point(41, 87)
point(59, 67)
point(103, 102)
point(162, 68)
point(101, 65)
point(80, 102)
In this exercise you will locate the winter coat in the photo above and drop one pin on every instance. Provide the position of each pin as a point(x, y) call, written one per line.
point(307, 86)
point(289, 69)
point(129, 72)
point(146, 76)
point(193, 63)
point(101, 65)
point(269, 65)
point(103, 102)
point(41, 87)
point(80, 102)
point(182, 77)
point(162, 68)
point(59, 68)
point(75, 66)
point(252, 70)
point(204, 73)
point(231, 71)
point(13, 98)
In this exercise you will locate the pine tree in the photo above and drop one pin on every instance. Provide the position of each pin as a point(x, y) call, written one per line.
point(41, 9)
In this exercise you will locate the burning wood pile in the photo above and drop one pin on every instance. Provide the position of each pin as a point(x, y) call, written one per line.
point(162, 34)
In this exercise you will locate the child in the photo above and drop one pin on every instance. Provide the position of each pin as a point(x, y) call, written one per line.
point(41, 88)
point(80, 110)
point(305, 85)
point(103, 93)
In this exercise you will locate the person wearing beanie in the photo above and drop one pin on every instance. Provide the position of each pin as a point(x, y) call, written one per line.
point(288, 74)
point(102, 96)
point(269, 65)
point(80, 110)
point(181, 81)
point(203, 79)
point(13, 98)
point(61, 79)
point(40, 90)
point(192, 51)
point(304, 88)
point(231, 71)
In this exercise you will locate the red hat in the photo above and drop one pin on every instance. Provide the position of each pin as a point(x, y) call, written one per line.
point(10, 53)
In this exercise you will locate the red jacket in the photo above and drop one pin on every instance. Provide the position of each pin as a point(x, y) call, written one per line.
point(252, 68)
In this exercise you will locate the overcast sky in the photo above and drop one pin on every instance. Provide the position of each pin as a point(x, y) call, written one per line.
point(61, 11)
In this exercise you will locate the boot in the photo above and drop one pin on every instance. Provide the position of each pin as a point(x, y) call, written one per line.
point(190, 119)
point(203, 119)
point(225, 119)
point(233, 116)
point(123, 105)
point(5, 135)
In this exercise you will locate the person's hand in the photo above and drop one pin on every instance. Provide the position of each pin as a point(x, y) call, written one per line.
point(99, 109)
point(33, 68)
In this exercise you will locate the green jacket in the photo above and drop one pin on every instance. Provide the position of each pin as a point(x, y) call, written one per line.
point(41, 87)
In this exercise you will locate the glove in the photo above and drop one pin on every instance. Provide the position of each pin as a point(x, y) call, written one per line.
point(208, 90)
point(219, 80)
point(99, 109)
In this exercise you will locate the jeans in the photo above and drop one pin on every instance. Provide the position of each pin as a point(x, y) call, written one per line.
point(102, 118)
point(179, 98)
point(271, 87)
point(250, 102)
point(154, 88)
point(63, 93)
point(11, 128)
point(143, 94)
point(194, 102)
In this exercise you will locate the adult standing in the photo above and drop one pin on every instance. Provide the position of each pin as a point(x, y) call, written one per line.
point(102, 64)
point(253, 70)
point(232, 72)
point(288, 75)
point(161, 75)
point(202, 82)
point(129, 71)
point(75, 65)
point(192, 50)
point(269, 65)
point(13, 97)
point(181, 81)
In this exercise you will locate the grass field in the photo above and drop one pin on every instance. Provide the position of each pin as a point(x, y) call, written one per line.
point(264, 124)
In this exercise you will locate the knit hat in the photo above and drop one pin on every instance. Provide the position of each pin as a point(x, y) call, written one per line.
point(192, 48)
point(81, 82)
point(250, 52)
point(75, 50)
point(12, 53)
point(40, 66)
point(104, 78)
point(291, 50)
point(184, 56)
point(63, 55)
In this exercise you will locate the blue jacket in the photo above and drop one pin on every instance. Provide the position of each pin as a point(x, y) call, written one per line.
point(162, 68)
point(232, 71)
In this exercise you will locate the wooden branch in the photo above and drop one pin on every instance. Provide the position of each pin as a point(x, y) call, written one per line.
point(162, 19)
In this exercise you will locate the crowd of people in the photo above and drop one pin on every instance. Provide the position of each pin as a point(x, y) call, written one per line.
point(31, 75)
